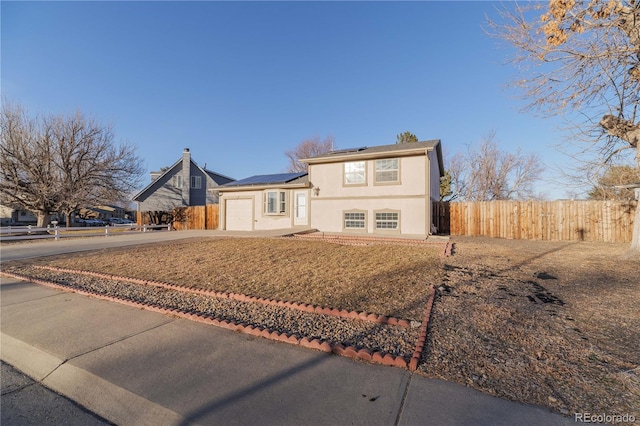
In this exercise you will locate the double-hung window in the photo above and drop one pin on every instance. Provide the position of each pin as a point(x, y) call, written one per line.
point(388, 170)
point(275, 202)
point(196, 182)
point(387, 220)
point(354, 220)
point(177, 181)
point(355, 173)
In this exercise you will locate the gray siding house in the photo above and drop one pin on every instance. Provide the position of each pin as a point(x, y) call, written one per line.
point(181, 185)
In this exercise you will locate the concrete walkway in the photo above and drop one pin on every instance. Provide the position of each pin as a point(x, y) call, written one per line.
point(135, 367)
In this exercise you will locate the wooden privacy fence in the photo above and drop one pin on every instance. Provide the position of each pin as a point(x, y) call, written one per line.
point(607, 221)
point(199, 217)
point(195, 217)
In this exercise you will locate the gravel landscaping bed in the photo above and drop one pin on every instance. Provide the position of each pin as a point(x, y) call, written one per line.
point(390, 339)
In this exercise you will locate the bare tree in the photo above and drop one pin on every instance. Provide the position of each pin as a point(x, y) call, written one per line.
point(609, 185)
point(582, 57)
point(306, 149)
point(60, 164)
point(488, 173)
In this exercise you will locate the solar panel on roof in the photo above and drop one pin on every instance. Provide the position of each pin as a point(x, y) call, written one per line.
point(267, 179)
point(347, 150)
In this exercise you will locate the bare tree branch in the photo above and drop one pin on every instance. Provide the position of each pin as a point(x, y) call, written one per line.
point(60, 164)
point(306, 149)
point(581, 57)
point(486, 173)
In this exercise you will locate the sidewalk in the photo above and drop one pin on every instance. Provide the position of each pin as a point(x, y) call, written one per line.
point(135, 367)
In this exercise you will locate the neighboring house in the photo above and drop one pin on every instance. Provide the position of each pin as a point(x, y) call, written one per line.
point(183, 184)
point(262, 202)
point(10, 216)
point(103, 212)
point(382, 190)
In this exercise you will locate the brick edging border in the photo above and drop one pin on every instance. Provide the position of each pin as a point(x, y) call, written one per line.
point(448, 249)
point(364, 316)
point(317, 344)
point(422, 337)
point(356, 240)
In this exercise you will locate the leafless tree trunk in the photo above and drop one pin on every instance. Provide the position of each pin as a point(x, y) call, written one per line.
point(60, 164)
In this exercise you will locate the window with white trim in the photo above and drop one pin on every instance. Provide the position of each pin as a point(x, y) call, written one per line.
point(196, 182)
point(387, 170)
point(275, 202)
point(354, 220)
point(355, 173)
point(177, 181)
point(387, 220)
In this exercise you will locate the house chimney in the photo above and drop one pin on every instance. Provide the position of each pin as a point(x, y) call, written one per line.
point(186, 177)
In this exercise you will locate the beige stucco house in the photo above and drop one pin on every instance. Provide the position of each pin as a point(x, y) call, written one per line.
point(382, 190)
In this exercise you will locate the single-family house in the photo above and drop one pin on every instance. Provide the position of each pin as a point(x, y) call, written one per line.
point(104, 212)
point(381, 190)
point(10, 215)
point(183, 184)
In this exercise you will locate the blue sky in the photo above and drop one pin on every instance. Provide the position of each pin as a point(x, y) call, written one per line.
point(240, 83)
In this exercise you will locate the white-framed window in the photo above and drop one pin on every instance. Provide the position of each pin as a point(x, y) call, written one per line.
point(355, 220)
point(196, 182)
point(177, 181)
point(388, 221)
point(275, 202)
point(387, 170)
point(355, 173)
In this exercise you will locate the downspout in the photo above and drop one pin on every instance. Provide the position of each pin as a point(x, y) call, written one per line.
point(186, 177)
point(428, 221)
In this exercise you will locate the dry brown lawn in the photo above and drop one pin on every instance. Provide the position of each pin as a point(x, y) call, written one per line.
point(547, 323)
point(385, 280)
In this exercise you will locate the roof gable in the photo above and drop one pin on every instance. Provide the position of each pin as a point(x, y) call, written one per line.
point(146, 189)
point(218, 178)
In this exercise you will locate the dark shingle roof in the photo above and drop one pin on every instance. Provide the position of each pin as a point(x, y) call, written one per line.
point(382, 151)
point(276, 179)
point(379, 149)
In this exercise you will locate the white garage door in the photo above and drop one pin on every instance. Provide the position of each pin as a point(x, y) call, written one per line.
point(239, 215)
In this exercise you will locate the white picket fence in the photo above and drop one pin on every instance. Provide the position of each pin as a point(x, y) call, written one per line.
point(15, 233)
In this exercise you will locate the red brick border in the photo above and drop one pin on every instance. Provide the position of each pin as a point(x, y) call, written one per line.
point(317, 344)
point(422, 337)
point(364, 316)
point(357, 240)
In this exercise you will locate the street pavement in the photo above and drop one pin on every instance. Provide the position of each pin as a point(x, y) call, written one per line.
point(27, 402)
point(129, 366)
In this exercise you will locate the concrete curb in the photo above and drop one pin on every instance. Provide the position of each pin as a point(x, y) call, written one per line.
point(92, 392)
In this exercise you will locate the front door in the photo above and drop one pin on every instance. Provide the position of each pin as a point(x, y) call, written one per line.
point(301, 209)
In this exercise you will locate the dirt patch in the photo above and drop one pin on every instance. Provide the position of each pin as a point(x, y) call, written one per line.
point(548, 323)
